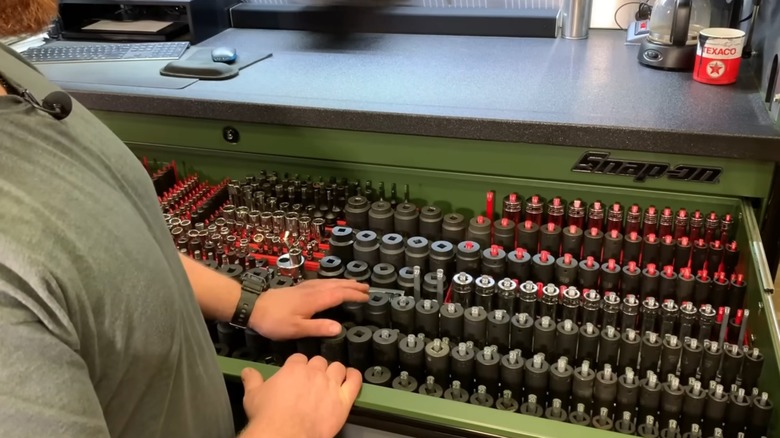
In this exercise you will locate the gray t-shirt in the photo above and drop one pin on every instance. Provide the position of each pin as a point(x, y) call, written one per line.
point(100, 333)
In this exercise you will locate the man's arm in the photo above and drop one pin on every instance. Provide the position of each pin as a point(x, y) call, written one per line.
point(45, 387)
point(278, 313)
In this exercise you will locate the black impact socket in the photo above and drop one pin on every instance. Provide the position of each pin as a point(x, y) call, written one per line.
point(567, 333)
point(579, 417)
point(518, 265)
point(682, 254)
point(494, 262)
point(484, 292)
point(701, 289)
point(385, 348)
point(366, 247)
point(632, 246)
point(625, 424)
point(566, 269)
point(451, 322)
point(442, 256)
point(331, 267)
point(543, 268)
point(631, 279)
point(650, 353)
point(602, 421)
point(356, 212)
point(462, 365)
point(437, 360)
point(650, 283)
point(715, 409)
point(334, 348)
point(475, 325)
point(670, 355)
point(384, 275)
point(527, 298)
point(609, 346)
point(691, 358)
point(380, 218)
point(648, 428)
point(550, 239)
point(588, 275)
point(498, 330)
point(405, 382)
point(667, 283)
point(582, 386)
point(693, 405)
point(752, 367)
point(710, 362)
point(532, 407)
point(462, 289)
point(588, 344)
point(406, 219)
point(506, 402)
point(627, 397)
point(610, 276)
point(556, 411)
point(698, 255)
point(481, 397)
point(411, 356)
point(730, 258)
point(359, 271)
point(378, 375)
point(592, 243)
point(605, 390)
point(571, 241)
point(392, 250)
point(405, 280)
point(683, 290)
point(453, 228)
point(528, 236)
point(613, 245)
point(417, 251)
point(544, 336)
point(561, 376)
point(431, 388)
point(668, 248)
point(738, 293)
point(651, 250)
point(521, 332)
point(487, 369)
point(760, 415)
point(714, 256)
point(506, 295)
point(738, 412)
point(340, 243)
point(402, 314)
point(630, 344)
point(468, 258)
point(431, 219)
point(732, 364)
point(504, 234)
point(426, 318)
point(377, 311)
point(672, 396)
point(719, 293)
point(432, 284)
point(359, 347)
point(649, 395)
point(537, 374)
point(479, 231)
point(591, 306)
point(511, 372)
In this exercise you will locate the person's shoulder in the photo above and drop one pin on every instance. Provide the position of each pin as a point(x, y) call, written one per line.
point(16, 55)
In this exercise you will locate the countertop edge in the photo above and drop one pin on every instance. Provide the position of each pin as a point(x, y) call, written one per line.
point(523, 131)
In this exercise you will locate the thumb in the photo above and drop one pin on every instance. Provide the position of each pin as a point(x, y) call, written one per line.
point(251, 378)
point(321, 328)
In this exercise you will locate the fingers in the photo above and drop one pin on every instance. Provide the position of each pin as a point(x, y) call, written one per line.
point(351, 387)
point(336, 372)
point(340, 284)
point(327, 297)
point(251, 378)
point(318, 363)
point(297, 358)
point(317, 328)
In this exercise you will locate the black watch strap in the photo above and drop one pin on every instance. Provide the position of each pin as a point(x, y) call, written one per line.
point(251, 288)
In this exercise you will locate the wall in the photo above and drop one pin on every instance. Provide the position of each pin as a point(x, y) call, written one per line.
point(766, 39)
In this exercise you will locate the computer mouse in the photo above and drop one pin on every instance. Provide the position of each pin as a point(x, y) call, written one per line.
point(224, 54)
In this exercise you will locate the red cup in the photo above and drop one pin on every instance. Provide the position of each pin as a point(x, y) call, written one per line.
point(718, 55)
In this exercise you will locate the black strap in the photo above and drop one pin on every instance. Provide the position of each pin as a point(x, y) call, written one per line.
point(251, 288)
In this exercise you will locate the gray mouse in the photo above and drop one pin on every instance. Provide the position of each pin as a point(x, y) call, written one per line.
point(224, 54)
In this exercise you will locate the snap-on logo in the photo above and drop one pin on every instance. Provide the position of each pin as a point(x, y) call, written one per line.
point(602, 163)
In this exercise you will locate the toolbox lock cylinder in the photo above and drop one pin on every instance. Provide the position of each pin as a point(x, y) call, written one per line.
point(356, 212)
point(380, 217)
point(392, 250)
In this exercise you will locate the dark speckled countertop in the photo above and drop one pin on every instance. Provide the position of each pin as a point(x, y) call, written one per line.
point(589, 93)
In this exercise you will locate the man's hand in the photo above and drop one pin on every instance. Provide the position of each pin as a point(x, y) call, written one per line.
point(285, 313)
point(304, 399)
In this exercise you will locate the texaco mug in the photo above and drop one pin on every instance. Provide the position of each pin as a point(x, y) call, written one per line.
point(718, 55)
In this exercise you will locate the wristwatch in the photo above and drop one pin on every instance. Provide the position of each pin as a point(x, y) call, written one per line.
point(251, 288)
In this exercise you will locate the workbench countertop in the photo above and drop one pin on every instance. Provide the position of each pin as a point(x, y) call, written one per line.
point(590, 93)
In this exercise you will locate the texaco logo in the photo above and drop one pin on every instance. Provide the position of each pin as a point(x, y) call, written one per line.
point(715, 69)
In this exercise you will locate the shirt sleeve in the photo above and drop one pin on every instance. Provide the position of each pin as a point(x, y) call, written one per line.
point(45, 386)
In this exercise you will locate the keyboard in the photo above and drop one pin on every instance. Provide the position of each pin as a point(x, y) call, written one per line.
point(94, 52)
